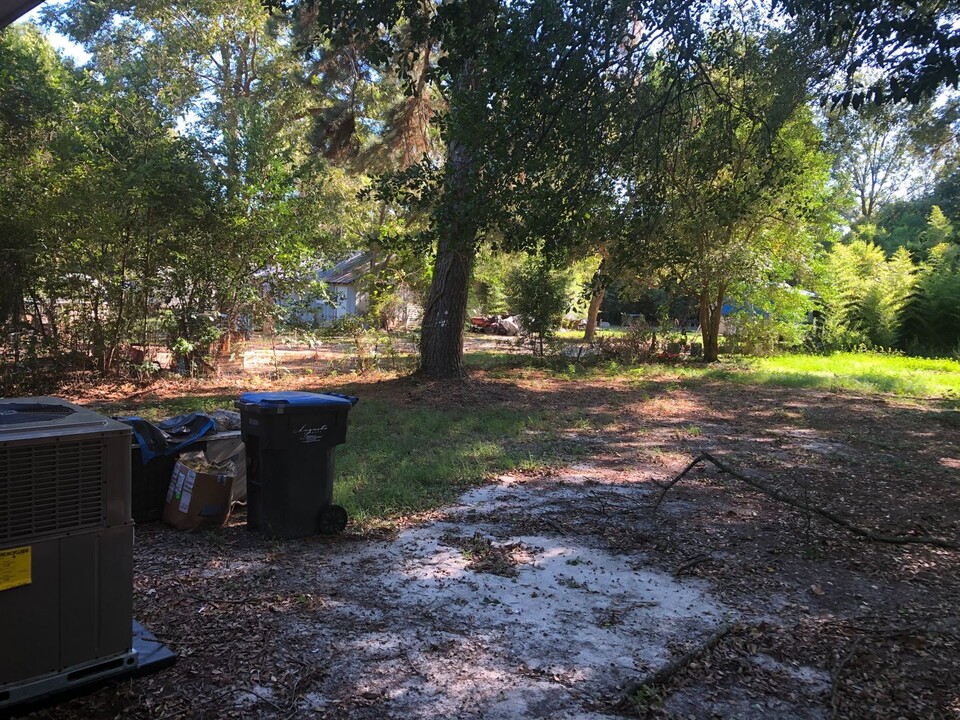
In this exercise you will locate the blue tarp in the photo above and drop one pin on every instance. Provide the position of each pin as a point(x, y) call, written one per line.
point(168, 437)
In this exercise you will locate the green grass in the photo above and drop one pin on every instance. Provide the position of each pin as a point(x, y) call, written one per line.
point(492, 360)
point(569, 334)
point(859, 372)
point(399, 460)
point(883, 373)
point(171, 407)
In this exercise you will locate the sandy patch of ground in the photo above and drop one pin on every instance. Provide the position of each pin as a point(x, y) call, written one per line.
point(551, 634)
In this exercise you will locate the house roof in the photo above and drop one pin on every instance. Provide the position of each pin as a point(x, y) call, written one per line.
point(10, 10)
point(346, 271)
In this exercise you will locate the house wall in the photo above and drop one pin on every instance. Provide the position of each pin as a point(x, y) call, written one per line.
point(350, 301)
point(361, 303)
point(321, 313)
point(346, 303)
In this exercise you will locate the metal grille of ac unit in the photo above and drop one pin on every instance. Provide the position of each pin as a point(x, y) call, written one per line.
point(13, 412)
point(50, 487)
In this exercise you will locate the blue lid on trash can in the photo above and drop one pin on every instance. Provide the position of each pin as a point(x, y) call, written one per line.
point(297, 399)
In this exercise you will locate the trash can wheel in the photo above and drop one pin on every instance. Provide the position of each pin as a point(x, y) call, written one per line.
point(333, 520)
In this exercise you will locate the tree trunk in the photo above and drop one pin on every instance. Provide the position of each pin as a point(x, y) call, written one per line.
point(598, 287)
point(441, 339)
point(711, 312)
point(111, 350)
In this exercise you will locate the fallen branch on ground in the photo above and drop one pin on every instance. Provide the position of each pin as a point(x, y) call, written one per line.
point(825, 514)
point(835, 678)
point(555, 525)
point(664, 674)
point(692, 563)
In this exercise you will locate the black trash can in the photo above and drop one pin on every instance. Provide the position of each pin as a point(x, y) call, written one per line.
point(290, 438)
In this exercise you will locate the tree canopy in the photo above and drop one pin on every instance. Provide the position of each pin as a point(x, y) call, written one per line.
point(915, 44)
point(209, 158)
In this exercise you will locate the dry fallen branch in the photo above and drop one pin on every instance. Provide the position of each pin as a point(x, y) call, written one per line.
point(662, 676)
point(835, 680)
point(691, 563)
point(262, 698)
point(555, 525)
point(866, 533)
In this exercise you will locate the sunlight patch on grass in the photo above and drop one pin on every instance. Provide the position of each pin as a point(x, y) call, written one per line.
point(861, 372)
point(885, 373)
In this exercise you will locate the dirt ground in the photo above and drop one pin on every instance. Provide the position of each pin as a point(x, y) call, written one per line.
point(542, 595)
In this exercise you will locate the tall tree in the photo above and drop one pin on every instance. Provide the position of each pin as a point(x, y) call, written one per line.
point(877, 152)
point(129, 192)
point(916, 45)
point(34, 94)
point(228, 76)
point(526, 90)
point(113, 192)
point(731, 176)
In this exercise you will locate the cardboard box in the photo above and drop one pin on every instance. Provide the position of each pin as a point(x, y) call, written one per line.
point(199, 493)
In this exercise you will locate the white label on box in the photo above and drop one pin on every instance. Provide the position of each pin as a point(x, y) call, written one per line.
point(189, 480)
point(181, 479)
point(174, 482)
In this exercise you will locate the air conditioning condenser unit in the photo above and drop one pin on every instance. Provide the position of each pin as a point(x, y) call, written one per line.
point(66, 548)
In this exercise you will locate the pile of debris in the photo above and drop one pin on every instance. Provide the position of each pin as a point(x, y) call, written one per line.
point(188, 470)
point(496, 325)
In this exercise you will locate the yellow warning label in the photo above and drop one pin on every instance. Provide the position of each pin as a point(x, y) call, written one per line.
point(15, 567)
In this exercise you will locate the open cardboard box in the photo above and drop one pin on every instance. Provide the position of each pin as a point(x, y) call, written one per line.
point(199, 493)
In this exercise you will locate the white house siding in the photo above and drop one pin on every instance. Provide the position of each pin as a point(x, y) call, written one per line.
point(346, 304)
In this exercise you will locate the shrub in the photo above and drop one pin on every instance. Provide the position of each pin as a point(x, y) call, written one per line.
point(932, 319)
point(539, 295)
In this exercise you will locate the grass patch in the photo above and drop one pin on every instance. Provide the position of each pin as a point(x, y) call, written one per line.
point(883, 373)
point(860, 372)
point(399, 460)
point(183, 405)
point(492, 360)
point(406, 458)
point(570, 334)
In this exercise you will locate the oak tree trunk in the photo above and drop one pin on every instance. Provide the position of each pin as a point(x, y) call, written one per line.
point(598, 287)
point(441, 339)
point(711, 312)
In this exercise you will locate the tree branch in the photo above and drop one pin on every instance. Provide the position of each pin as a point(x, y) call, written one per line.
point(866, 533)
point(665, 673)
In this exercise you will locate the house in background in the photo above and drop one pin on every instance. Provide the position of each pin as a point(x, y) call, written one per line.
point(347, 290)
point(343, 282)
